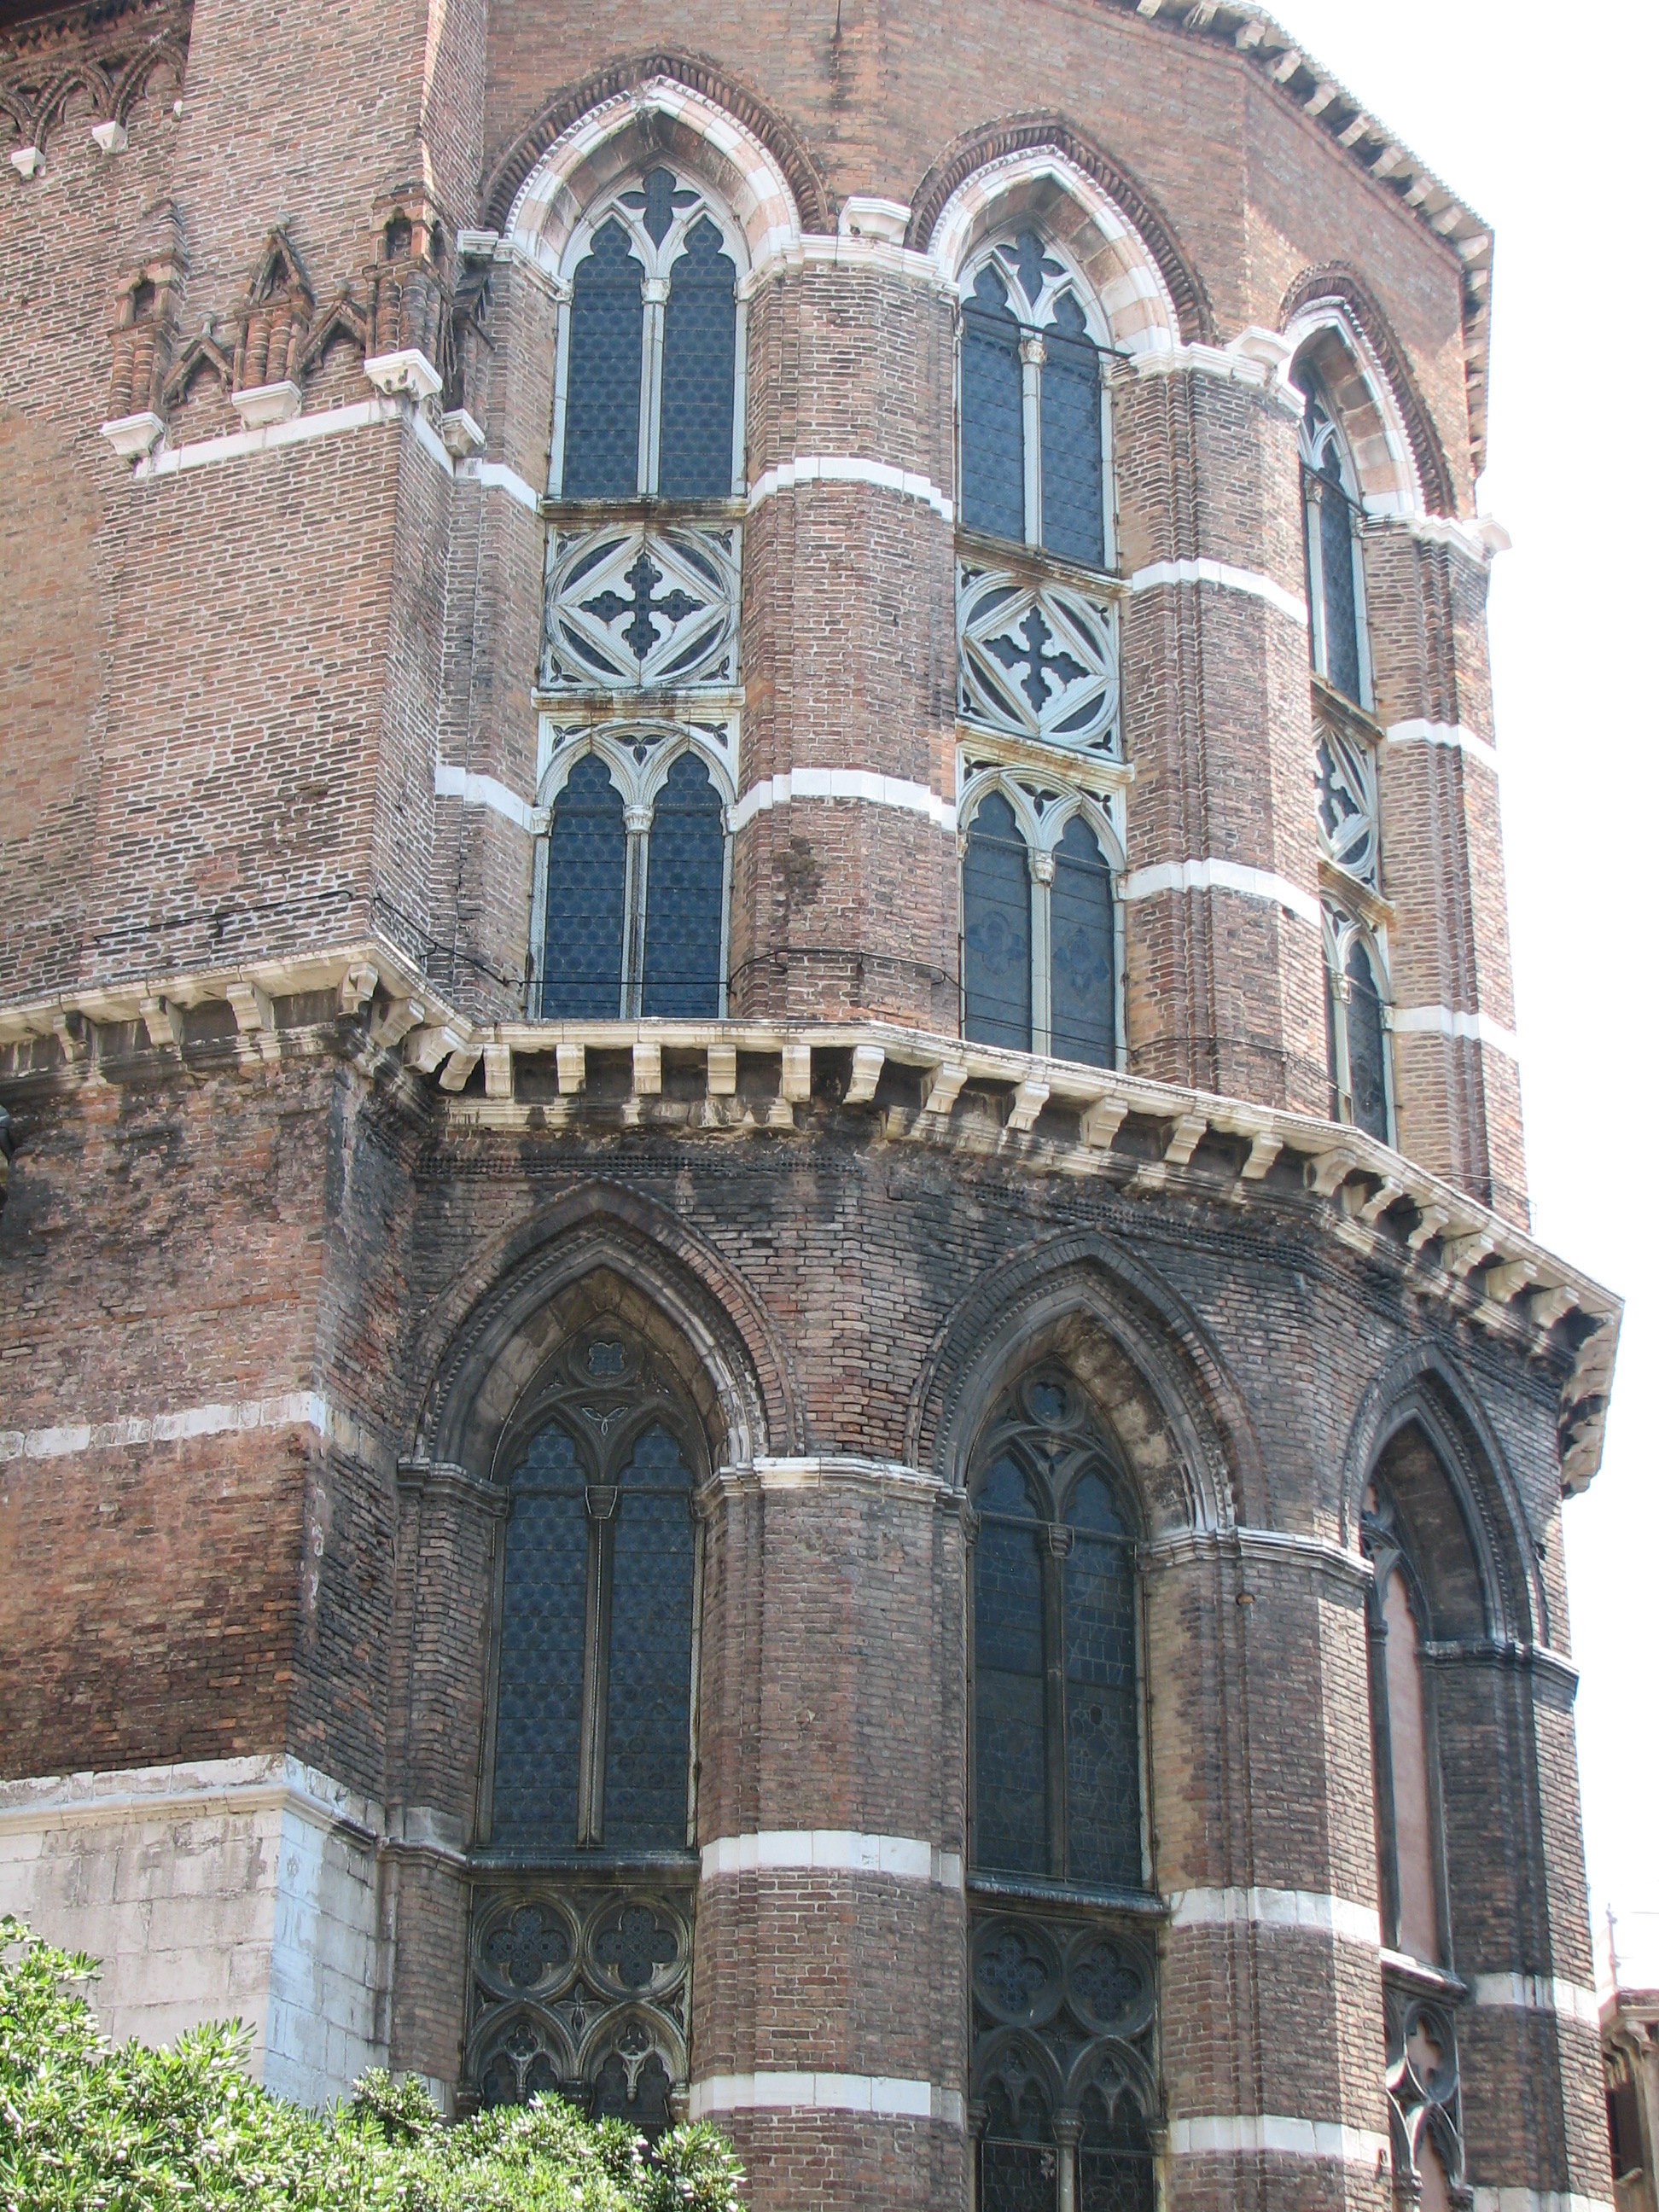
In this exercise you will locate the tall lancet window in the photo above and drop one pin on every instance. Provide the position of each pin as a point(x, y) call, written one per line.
point(650, 381)
point(1356, 1036)
point(1064, 1982)
point(1332, 514)
point(1035, 452)
point(581, 1934)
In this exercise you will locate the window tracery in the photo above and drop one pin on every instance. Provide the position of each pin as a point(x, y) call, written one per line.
point(1039, 916)
point(1035, 427)
point(1063, 2073)
point(581, 1932)
point(1332, 514)
point(1345, 771)
point(632, 885)
point(1357, 1025)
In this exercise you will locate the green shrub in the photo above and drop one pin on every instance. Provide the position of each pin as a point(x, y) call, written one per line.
point(101, 2129)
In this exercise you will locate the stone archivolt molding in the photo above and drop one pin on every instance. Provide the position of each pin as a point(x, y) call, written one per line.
point(1039, 1115)
point(109, 65)
point(1334, 282)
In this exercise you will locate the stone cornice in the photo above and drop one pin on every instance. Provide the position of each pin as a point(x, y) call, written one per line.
point(1037, 1115)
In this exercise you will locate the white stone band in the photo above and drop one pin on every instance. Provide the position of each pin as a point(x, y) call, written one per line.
point(1227, 2136)
point(850, 468)
point(880, 2095)
point(1452, 734)
point(1312, 1910)
point(1222, 876)
point(496, 476)
point(832, 1851)
point(1538, 2200)
point(294, 1408)
point(1452, 1022)
point(1226, 578)
point(1538, 1993)
point(449, 781)
point(843, 783)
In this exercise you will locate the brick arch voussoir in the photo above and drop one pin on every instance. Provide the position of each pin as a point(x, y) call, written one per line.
point(599, 1227)
point(1425, 1390)
point(1337, 282)
point(814, 200)
point(1014, 134)
point(987, 1341)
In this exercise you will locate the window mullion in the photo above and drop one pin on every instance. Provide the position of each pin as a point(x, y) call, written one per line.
point(601, 1504)
point(1043, 877)
point(1032, 354)
point(655, 289)
point(1056, 1544)
point(1312, 491)
point(636, 821)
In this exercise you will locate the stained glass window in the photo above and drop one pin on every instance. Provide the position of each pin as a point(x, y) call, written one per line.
point(996, 914)
point(1331, 518)
point(1010, 1800)
point(586, 875)
point(1115, 2159)
point(1367, 1045)
point(1102, 1729)
point(539, 1702)
point(1073, 509)
point(684, 892)
point(992, 414)
point(699, 370)
point(649, 1723)
point(1082, 1015)
point(1336, 522)
point(607, 338)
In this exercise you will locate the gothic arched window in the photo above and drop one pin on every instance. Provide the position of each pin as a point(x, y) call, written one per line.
point(1356, 1027)
point(651, 356)
point(1038, 933)
point(1033, 421)
point(1064, 1982)
point(634, 889)
point(1332, 514)
point(1056, 1712)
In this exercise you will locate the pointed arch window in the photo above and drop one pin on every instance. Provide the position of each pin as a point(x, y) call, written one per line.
point(1331, 515)
point(1038, 929)
point(1057, 1710)
point(1356, 1031)
point(635, 886)
point(651, 377)
point(1035, 423)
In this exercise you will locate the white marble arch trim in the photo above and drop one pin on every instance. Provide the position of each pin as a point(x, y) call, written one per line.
point(1454, 735)
point(843, 783)
point(1538, 2200)
point(1226, 577)
point(832, 1851)
point(1213, 875)
point(849, 468)
point(1452, 1022)
point(1313, 1910)
point(1228, 2135)
point(1538, 1993)
point(880, 2095)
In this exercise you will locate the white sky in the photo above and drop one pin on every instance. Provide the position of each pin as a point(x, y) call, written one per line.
point(1549, 133)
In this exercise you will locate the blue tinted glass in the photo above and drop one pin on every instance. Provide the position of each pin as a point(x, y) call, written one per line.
point(1004, 1491)
point(586, 873)
point(1010, 1793)
point(992, 415)
point(684, 888)
point(996, 929)
point(649, 1730)
point(1103, 1762)
point(1074, 487)
point(538, 1709)
point(1336, 558)
point(607, 352)
point(699, 371)
point(1367, 1086)
point(1080, 949)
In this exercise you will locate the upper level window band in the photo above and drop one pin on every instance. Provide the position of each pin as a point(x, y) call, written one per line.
point(651, 360)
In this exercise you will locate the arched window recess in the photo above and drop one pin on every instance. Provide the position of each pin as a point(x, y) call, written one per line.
point(648, 391)
point(633, 879)
point(1034, 412)
point(1358, 1029)
point(1332, 513)
point(584, 1870)
point(1041, 919)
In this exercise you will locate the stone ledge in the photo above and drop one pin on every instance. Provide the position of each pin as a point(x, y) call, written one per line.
point(1043, 1116)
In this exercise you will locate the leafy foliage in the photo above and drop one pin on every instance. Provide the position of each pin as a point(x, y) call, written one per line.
point(102, 2129)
